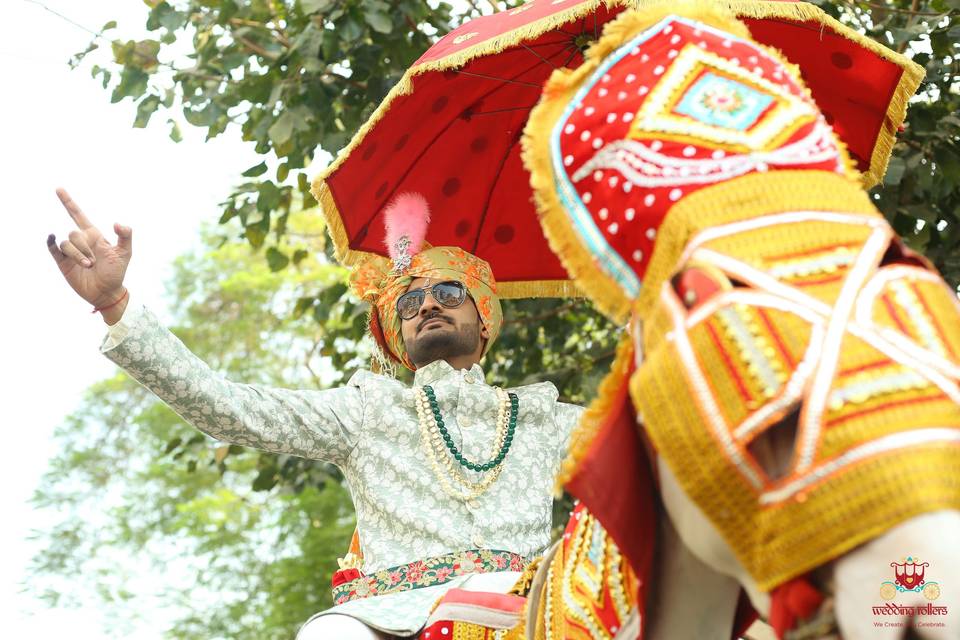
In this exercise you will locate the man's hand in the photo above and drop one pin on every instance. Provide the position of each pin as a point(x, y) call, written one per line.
point(92, 266)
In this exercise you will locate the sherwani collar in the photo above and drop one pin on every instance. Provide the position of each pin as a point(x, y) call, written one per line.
point(440, 369)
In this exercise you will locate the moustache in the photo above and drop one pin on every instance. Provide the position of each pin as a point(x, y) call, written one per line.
point(435, 316)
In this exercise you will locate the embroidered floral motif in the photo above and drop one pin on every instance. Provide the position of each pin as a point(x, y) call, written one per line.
point(424, 573)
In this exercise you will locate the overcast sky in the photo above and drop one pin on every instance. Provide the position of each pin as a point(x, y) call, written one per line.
point(61, 130)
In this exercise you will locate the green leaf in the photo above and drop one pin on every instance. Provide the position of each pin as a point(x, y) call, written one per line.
point(133, 83)
point(303, 304)
point(313, 6)
point(145, 110)
point(256, 170)
point(173, 444)
point(255, 235)
point(175, 134)
point(379, 21)
point(109, 25)
point(350, 29)
point(228, 213)
point(276, 259)
point(299, 255)
point(268, 197)
point(281, 130)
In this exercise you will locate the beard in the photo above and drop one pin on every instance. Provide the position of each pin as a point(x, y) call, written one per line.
point(437, 345)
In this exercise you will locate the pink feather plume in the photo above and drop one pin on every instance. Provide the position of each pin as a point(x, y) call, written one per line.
point(407, 215)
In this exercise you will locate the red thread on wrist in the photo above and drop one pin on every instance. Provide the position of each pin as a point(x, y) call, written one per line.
point(112, 304)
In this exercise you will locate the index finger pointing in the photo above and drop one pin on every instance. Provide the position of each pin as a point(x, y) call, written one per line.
point(73, 209)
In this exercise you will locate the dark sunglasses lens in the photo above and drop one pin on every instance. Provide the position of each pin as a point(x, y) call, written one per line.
point(449, 294)
point(409, 304)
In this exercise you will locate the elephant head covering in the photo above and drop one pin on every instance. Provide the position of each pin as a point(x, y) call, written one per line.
point(381, 281)
point(691, 184)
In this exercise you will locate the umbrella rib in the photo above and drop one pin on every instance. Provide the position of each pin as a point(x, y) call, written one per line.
point(484, 113)
point(504, 80)
point(550, 44)
point(573, 53)
point(493, 185)
point(538, 55)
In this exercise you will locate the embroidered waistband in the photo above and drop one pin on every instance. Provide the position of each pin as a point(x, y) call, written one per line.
point(350, 584)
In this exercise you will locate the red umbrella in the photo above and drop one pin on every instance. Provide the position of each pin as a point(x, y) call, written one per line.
point(451, 127)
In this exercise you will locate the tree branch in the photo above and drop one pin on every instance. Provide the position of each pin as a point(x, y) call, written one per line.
point(913, 11)
point(883, 7)
point(255, 48)
point(276, 32)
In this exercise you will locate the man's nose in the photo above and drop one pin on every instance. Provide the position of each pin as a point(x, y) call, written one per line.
point(429, 304)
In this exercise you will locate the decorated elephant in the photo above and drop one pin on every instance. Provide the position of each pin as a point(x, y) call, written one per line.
point(792, 367)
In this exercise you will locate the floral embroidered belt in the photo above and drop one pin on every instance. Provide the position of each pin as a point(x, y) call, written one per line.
point(351, 584)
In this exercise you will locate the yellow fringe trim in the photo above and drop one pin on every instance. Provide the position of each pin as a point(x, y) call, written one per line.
point(458, 59)
point(564, 240)
point(341, 241)
point(581, 439)
point(538, 289)
point(353, 257)
point(909, 80)
point(746, 197)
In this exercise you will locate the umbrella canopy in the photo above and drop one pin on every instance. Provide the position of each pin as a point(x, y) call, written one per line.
point(451, 128)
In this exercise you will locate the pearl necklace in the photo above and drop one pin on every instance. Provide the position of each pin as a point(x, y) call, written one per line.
point(440, 461)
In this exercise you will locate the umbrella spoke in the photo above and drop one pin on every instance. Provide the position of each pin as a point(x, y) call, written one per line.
point(505, 109)
point(538, 55)
point(573, 53)
point(554, 42)
point(503, 80)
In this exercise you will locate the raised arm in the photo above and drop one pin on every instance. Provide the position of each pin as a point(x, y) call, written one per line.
point(322, 425)
point(314, 424)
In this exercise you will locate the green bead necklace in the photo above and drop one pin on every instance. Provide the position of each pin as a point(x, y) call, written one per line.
point(448, 440)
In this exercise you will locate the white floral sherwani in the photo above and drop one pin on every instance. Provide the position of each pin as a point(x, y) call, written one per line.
point(369, 429)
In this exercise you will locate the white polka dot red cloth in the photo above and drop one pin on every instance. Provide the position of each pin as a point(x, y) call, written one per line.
point(679, 107)
point(450, 129)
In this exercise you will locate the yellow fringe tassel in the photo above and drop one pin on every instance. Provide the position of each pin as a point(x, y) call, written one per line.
point(558, 91)
point(909, 80)
point(761, 9)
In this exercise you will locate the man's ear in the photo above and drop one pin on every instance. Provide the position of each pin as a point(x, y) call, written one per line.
point(484, 332)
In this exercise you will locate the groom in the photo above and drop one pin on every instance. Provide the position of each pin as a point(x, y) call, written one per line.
point(452, 479)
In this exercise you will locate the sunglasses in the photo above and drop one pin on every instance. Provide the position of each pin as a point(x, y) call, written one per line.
point(450, 294)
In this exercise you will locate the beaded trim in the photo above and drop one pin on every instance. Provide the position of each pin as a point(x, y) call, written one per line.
point(428, 572)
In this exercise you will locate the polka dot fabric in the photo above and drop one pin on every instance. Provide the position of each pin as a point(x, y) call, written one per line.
point(450, 128)
point(679, 107)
